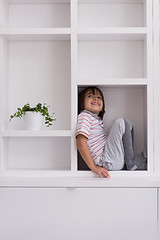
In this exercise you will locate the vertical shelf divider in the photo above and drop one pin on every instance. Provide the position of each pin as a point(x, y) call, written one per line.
point(3, 13)
point(149, 73)
point(156, 78)
point(3, 99)
point(74, 74)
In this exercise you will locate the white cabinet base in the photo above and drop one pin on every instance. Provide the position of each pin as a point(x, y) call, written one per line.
point(78, 213)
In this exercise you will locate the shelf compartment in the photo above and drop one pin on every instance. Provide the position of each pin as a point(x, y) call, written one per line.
point(36, 153)
point(42, 72)
point(126, 102)
point(36, 14)
point(111, 59)
point(100, 13)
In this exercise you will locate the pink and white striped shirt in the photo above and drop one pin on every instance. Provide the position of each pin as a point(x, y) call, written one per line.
point(91, 126)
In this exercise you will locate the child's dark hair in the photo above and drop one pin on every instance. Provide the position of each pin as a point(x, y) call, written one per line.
point(82, 95)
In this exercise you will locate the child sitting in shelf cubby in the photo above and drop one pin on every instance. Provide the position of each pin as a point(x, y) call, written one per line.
point(100, 152)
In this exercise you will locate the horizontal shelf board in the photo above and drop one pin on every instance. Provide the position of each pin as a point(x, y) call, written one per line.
point(113, 81)
point(35, 31)
point(41, 133)
point(112, 33)
point(122, 173)
point(75, 179)
point(111, 1)
point(37, 1)
point(70, 173)
point(25, 34)
point(118, 30)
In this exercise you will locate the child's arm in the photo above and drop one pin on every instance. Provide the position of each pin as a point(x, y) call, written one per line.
point(85, 153)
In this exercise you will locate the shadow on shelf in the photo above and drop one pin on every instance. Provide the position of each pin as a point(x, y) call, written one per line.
point(82, 166)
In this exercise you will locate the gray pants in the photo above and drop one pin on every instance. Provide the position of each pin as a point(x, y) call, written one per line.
point(113, 155)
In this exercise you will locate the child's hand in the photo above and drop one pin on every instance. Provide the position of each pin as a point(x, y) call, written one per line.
point(100, 170)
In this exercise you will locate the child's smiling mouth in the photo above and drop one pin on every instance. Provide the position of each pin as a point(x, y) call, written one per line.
point(95, 103)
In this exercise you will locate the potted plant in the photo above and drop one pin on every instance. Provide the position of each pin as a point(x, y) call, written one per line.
point(33, 116)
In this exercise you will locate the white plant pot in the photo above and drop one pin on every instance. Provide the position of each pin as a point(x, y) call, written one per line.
point(33, 120)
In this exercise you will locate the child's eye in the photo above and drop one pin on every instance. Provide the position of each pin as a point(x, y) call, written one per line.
point(90, 96)
point(99, 97)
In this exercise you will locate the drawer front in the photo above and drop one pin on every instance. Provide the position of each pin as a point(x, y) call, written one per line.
point(80, 213)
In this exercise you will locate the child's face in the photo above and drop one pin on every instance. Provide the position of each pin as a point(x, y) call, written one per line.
point(93, 102)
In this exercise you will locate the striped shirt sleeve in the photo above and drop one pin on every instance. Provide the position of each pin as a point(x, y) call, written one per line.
point(83, 124)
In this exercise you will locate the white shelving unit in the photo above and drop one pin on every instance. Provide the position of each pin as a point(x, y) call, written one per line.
point(49, 50)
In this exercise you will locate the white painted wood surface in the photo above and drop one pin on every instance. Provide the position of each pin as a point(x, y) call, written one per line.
point(78, 213)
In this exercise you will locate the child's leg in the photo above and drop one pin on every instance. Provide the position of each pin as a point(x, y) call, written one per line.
point(132, 162)
point(113, 155)
point(128, 146)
